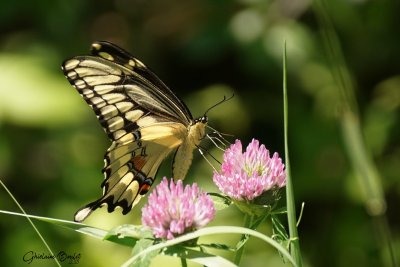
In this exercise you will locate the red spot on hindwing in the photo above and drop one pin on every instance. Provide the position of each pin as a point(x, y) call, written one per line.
point(138, 162)
point(144, 188)
point(145, 184)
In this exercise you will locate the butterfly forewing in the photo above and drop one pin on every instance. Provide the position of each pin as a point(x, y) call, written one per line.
point(121, 57)
point(143, 118)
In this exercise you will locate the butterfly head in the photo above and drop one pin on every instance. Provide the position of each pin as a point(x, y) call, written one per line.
point(197, 130)
point(203, 120)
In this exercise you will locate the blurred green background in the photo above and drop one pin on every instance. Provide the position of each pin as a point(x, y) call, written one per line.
point(52, 147)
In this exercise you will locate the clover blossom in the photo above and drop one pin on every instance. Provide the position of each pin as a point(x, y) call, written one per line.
point(246, 175)
point(173, 210)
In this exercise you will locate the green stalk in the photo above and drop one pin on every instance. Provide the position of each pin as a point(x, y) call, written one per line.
point(183, 262)
point(30, 221)
point(364, 167)
point(290, 203)
point(239, 252)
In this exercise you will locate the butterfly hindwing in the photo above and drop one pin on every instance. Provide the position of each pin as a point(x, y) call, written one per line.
point(130, 168)
point(142, 117)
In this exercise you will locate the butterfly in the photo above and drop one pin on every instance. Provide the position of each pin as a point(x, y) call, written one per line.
point(142, 117)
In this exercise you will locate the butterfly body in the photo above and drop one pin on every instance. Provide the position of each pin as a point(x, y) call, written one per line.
point(142, 117)
point(184, 154)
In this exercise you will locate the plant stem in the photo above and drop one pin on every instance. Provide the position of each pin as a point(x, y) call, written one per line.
point(30, 221)
point(290, 203)
point(183, 262)
point(239, 252)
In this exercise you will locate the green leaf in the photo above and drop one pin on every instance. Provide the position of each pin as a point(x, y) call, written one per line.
point(242, 242)
point(128, 234)
point(211, 231)
point(220, 201)
point(253, 209)
point(281, 210)
point(218, 246)
point(200, 257)
point(144, 260)
point(290, 201)
point(78, 227)
point(279, 229)
point(258, 220)
point(280, 234)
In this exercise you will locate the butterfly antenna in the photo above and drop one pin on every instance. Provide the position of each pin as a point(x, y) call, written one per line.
point(219, 103)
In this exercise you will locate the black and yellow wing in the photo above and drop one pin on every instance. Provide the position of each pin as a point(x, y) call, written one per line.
point(142, 117)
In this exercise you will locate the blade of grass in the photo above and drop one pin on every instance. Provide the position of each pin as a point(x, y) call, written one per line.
point(30, 221)
point(290, 203)
point(78, 227)
point(360, 157)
